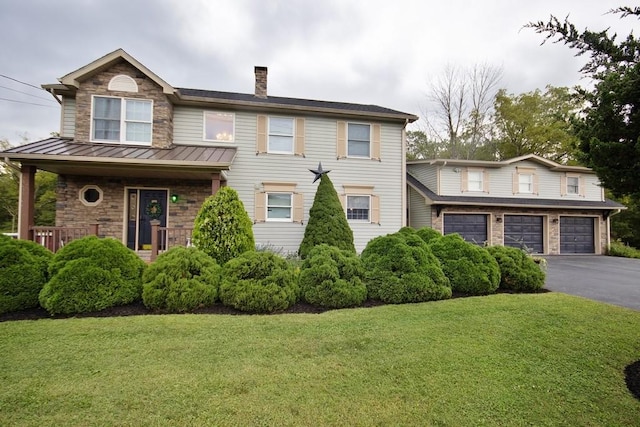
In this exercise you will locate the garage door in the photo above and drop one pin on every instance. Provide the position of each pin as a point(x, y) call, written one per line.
point(472, 227)
point(524, 232)
point(576, 235)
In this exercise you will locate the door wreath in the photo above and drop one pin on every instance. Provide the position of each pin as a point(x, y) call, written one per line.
point(153, 210)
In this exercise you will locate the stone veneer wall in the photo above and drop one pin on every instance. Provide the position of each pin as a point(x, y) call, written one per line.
point(109, 214)
point(162, 128)
point(552, 230)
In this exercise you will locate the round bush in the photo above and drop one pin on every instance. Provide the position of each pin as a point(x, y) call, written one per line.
point(518, 270)
point(331, 277)
point(470, 268)
point(399, 268)
point(181, 279)
point(259, 282)
point(222, 228)
point(23, 273)
point(428, 234)
point(91, 274)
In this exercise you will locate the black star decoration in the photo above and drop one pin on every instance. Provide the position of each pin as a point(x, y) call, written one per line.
point(318, 172)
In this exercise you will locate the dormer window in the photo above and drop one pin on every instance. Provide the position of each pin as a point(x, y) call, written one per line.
point(121, 120)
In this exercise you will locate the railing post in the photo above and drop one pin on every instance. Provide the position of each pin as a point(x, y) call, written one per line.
point(155, 225)
point(93, 228)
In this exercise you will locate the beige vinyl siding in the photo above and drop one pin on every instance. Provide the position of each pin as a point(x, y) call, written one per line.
point(68, 118)
point(419, 211)
point(426, 174)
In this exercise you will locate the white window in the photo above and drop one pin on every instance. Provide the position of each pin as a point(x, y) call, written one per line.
point(219, 126)
point(121, 120)
point(279, 207)
point(573, 185)
point(358, 208)
point(358, 140)
point(475, 180)
point(281, 131)
point(525, 183)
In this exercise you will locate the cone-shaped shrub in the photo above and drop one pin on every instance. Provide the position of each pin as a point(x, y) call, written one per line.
point(23, 273)
point(399, 268)
point(518, 271)
point(222, 228)
point(331, 277)
point(470, 268)
point(181, 279)
point(259, 282)
point(91, 274)
point(327, 221)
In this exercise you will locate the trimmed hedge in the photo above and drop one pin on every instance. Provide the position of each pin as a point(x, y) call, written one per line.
point(331, 277)
point(222, 228)
point(519, 272)
point(470, 268)
point(181, 279)
point(399, 268)
point(428, 234)
point(259, 282)
point(91, 274)
point(23, 273)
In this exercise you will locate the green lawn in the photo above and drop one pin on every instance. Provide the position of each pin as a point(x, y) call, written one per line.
point(543, 359)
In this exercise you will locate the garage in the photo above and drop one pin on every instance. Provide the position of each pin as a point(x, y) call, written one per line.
point(472, 227)
point(576, 235)
point(524, 232)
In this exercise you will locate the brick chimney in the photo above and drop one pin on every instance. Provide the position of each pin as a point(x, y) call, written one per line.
point(261, 82)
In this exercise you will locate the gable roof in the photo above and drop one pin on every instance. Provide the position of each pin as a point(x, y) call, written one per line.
point(498, 164)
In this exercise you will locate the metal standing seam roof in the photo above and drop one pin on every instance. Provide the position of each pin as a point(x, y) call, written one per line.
point(63, 149)
point(510, 201)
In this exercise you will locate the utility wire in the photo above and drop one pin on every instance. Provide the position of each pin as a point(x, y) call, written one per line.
point(24, 102)
point(25, 93)
point(21, 82)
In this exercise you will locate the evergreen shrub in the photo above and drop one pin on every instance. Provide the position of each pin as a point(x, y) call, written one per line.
point(518, 270)
point(428, 234)
point(332, 278)
point(470, 268)
point(91, 274)
point(399, 268)
point(23, 273)
point(327, 221)
point(222, 228)
point(181, 279)
point(259, 282)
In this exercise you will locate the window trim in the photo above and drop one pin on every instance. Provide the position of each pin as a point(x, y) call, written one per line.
point(123, 121)
point(292, 136)
point(90, 187)
point(204, 126)
point(525, 171)
point(365, 221)
point(291, 202)
point(351, 156)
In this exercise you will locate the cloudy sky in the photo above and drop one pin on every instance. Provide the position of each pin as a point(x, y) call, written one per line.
point(371, 52)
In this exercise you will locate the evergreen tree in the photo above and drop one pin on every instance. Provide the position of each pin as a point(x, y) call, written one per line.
point(327, 221)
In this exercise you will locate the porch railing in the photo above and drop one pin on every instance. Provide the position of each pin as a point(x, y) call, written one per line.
point(53, 238)
point(164, 238)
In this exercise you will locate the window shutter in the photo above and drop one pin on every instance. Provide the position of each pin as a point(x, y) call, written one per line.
point(464, 180)
point(563, 185)
point(298, 150)
point(535, 184)
point(261, 135)
point(375, 142)
point(343, 201)
point(515, 185)
point(581, 186)
point(260, 207)
point(375, 209)
point(341, 143)
point(485, 181)
point(298, 207)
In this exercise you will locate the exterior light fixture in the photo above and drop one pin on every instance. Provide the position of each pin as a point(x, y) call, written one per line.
point(174, 198)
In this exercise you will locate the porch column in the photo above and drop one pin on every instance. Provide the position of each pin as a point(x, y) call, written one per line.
point(26, 205)
point(215, 182)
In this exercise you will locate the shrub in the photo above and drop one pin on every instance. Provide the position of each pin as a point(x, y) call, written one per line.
point(399, 268)
point(23, 273)
point(617, 248)
point(518, 270)
point(91, 274)
point(428, 234)
point(470, 268)
point(332, 277)
point(222, 228)
point(258, 282)
point(327, 221)
point(181, 279)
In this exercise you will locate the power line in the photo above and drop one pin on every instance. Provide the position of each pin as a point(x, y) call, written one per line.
point(21, 82)
point(24, 102)
point(25, 93)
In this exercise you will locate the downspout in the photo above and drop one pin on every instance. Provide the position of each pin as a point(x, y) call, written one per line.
point(611, 213)
point(404, 174)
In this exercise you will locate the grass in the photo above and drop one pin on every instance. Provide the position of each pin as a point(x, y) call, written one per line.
point(544, 359)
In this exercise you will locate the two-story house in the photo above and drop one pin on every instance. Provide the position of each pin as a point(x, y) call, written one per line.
point(526, 202)
point(133, 149)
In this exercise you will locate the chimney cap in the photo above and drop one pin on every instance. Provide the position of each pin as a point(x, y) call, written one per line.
point(260, 68)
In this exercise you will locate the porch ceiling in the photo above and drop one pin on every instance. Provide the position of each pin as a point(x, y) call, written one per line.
point(67, 157)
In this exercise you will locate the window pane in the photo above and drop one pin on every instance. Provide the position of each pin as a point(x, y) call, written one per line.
point(358, 148)
point(525, 183)
point(573, 185)
point(278, 206)
point(218, 126)
point(358, 207)
point(108, 130)
point(474, 182)
point(138, 110)
point(358, 132)
point(281, 143)
point(279, 213)
point(280, 126)
point(139, 132)
point(358, 144)
point(106, 108)
point(279, 200)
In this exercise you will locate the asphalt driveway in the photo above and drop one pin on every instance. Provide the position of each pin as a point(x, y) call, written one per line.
point(603, 278)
